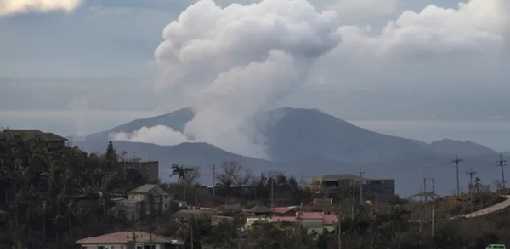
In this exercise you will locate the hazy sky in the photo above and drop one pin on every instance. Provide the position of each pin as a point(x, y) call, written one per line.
point(403, 67)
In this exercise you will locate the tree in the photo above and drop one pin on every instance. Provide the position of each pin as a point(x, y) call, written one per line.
point(111, 154)
point(231, 175)
point(187, 176)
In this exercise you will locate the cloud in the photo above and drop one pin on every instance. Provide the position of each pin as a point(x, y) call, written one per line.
point(435, 63)
point(236, 61)
point(159, 134)
point(10, 7)
point(360, 12)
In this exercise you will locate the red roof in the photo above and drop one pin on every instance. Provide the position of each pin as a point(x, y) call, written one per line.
point(311, 215)
point(125, 237)
point(330, 219)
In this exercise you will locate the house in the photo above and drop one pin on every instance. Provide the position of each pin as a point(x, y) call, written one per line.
point(145, 200)
point(129, 240)
point(317, 222)
point(323, 204)
point(258, 210)
point(154, 199)
point(284, 211)
point(377, 189)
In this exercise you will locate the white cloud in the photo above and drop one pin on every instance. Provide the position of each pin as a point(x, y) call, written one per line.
point(10, 7)
point(159, 134)
point(360, 12)
point(236, 61)
point(438, 60)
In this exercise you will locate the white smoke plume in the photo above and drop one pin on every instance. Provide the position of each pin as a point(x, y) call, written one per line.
point(233, 62)
point(11, 7)
point(159, 134)
point(237, 61)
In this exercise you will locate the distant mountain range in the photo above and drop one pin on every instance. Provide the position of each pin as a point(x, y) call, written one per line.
point(306, 142)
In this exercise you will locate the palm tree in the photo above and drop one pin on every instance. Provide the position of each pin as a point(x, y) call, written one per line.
point(186, 176)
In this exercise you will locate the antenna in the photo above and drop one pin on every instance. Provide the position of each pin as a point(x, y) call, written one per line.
point(457, 161)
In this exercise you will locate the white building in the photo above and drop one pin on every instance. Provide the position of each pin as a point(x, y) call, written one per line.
point(130, 240)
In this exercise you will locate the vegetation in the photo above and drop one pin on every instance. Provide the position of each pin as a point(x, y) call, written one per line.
point(49, 199)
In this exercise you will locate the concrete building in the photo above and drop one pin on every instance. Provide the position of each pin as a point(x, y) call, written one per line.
point(373, 188)
point(149, 170)
point(145, 200)
point(130, 240)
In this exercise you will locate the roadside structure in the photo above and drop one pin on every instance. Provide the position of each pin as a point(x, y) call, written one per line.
point(377, 189)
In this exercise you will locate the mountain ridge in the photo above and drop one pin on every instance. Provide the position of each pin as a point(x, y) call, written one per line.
point(304, 142)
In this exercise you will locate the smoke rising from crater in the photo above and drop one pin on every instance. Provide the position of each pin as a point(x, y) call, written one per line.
point(234, 62)
point(231, 63)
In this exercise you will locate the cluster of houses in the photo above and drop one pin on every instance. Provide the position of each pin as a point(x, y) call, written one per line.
point(317, 217)
point(314, 219)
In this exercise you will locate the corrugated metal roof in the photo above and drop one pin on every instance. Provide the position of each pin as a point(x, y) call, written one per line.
point(148, 188)
point(125, 237)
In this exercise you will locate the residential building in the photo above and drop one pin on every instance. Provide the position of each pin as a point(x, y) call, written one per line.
point(53, 142)
point(317, 222)
point(148, 170)
point(154, 199)
point(376, 189)
point(145, 200)
point(130, 240)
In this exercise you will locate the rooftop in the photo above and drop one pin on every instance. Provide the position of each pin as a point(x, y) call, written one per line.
point(346, 177)
point(125, 237)
point(147, 188)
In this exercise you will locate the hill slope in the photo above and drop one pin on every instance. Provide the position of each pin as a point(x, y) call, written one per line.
point(306, 142)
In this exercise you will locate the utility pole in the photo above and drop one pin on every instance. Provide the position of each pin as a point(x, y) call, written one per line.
point(272, 192)
point(502, 163)
point(457, 161)
point(214, 180)
point(339, 230)
point(433, 221)
point(424, 189)
point(471, 174)
point(353, 188)
point(361, 173)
